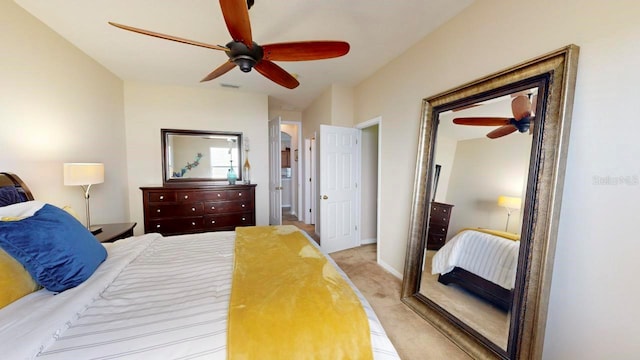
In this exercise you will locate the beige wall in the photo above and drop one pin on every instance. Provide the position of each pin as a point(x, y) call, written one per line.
point(57, 105)
point(149, 108)
point(593, 304)
point(484, 169)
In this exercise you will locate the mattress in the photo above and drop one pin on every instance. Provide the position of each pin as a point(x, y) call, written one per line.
point(491, 257)
point(154, 298)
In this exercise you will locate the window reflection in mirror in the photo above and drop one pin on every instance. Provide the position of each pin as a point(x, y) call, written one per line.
point(482, 152)
point(200, 155)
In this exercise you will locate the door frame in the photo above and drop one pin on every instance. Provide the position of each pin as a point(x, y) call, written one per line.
point(299, 168)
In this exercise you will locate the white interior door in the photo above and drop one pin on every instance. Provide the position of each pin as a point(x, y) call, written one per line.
point(275, 176)
point(339, 159)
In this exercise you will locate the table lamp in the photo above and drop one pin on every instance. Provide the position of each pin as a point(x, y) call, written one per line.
point(85, 175)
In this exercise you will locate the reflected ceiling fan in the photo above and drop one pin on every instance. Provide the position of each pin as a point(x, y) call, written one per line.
point(522, 107)
point(246, 54)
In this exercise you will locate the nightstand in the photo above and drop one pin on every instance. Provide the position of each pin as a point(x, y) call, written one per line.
point(113, 232)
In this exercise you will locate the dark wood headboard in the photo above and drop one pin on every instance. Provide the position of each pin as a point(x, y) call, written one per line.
point(9, 179)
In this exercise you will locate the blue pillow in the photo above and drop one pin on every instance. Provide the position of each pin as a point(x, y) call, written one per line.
point(9, 195)
point(56, 249)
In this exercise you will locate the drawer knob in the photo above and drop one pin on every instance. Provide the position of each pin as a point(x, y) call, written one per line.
point(243, 219)
point(242, 205)
point(186, 196)
point(213, 208)
point(218, 195)
point(161, 197)
point(239, 194)
point(193, 223)
point(444, 218)
point(193, 209)
point(213, 221)
point(158, 226)
point(158, 210)
point(444, 210)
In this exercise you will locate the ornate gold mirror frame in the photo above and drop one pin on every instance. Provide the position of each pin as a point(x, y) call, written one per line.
point(554, 75)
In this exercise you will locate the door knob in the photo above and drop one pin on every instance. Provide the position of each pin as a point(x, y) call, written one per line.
point(325, 197)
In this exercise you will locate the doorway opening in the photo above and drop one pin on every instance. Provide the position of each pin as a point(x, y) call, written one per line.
point(369, 178)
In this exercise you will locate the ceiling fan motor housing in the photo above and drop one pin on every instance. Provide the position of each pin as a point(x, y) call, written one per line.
point(522, 125)
point(243, 56)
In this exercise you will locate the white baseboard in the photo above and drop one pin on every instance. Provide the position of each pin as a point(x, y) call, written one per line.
point(368, 241)
point(390, 269)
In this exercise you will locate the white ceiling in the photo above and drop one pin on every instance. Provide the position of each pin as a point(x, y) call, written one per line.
point(378, 31)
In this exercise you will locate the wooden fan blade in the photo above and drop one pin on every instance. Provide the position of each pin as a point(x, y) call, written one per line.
point(236, 16)
point(481, 121)
point(169, 37)
point(521, 107)
point(501, 131)
point(221, 70)
point(305, 50)
point(276, 74)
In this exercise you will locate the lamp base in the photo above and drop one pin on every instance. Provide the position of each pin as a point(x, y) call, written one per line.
point(95, 229)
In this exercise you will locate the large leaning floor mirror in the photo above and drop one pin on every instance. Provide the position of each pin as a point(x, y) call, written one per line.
point(487, 194)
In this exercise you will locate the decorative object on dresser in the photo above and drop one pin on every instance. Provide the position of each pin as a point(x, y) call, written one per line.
point(193, 209)
point(85, 175)
point(438, 225)
point(113, 232)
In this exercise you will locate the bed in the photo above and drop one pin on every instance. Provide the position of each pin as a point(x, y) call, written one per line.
point(186, 297)
point(481, 261)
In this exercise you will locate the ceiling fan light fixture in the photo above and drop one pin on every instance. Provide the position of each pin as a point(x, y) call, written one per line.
point(244, 62)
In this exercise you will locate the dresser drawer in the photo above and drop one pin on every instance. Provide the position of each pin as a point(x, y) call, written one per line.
point(162, 196)
point(435, 242)
point(239, 194)
point(435, 229)
point(177, 210)
point(215, 207)
point(175, 226)
point(215, 195)
point(228, 221)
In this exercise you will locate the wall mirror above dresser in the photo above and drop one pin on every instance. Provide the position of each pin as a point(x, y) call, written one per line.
point(487, 193)
point(204, 157)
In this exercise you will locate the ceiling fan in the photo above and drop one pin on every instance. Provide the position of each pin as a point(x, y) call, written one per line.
point(246, 54)
point(522, 107)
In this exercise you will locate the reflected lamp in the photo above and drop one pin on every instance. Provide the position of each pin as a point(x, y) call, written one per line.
point(510, 203)
point(85, 175)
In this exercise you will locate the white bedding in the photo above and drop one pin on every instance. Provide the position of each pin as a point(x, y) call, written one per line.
point(154, 298)
point(491, 257)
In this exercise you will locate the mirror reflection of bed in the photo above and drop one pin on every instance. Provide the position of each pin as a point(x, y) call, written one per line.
point(475, 171)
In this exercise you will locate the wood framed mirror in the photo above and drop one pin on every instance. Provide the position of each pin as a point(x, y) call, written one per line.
point(200, 157)
point(480, 250)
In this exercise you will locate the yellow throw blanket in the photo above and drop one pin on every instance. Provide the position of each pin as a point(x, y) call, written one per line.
point(504, 234)
point(289, 302)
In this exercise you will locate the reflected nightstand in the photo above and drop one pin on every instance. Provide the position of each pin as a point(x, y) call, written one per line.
point(113, 232)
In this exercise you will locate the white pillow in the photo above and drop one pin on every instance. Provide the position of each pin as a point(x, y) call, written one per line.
point(21, 210)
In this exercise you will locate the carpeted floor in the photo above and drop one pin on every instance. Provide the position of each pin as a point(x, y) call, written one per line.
point(413, 337)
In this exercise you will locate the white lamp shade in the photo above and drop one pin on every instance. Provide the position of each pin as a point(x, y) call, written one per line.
point(83, 173)
point(510, 202)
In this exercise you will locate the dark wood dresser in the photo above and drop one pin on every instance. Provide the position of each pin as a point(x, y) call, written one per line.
point(184, 210)
point(439, 217)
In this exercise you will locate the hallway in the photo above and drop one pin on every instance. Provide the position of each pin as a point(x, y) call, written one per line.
point(288, 219)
